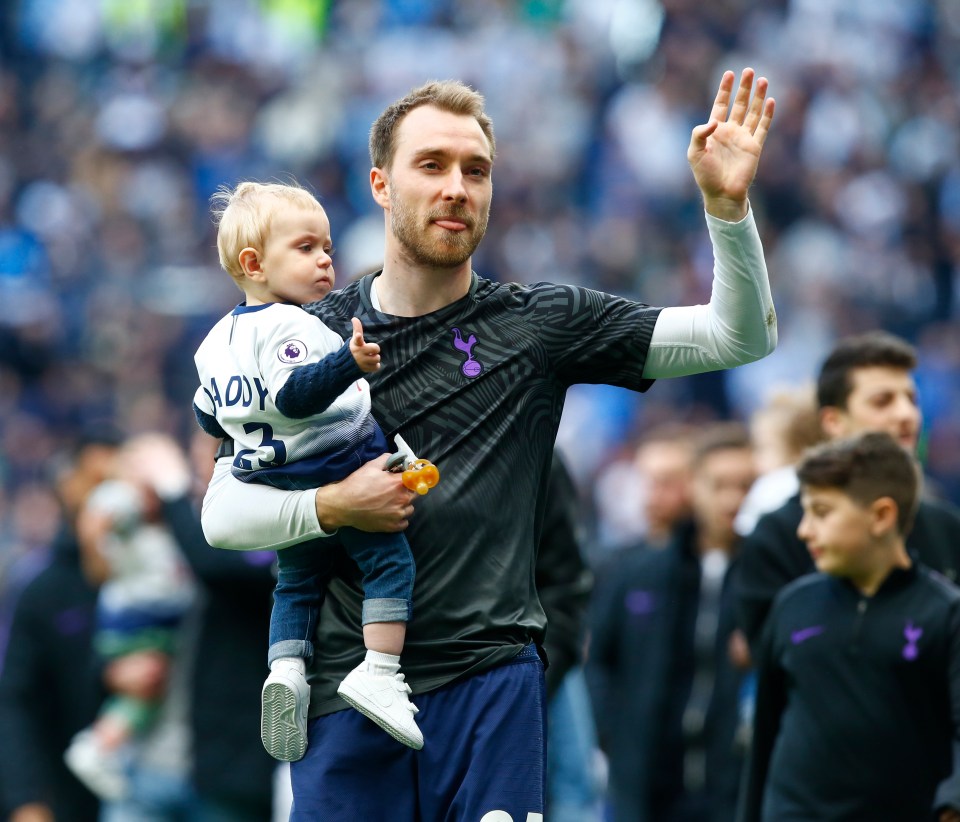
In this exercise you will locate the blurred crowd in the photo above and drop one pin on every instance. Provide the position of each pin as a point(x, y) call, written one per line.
point(119, 119)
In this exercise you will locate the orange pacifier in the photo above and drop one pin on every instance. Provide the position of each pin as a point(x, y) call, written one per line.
point(421, 476)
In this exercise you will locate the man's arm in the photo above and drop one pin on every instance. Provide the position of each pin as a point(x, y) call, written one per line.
point(739, 325)
point(246, 516)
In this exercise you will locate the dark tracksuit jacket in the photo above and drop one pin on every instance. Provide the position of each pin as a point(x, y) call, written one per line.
point(49, 688)
point(640, 668)
point(564, 581)
point(773, 556)
point(858, 703)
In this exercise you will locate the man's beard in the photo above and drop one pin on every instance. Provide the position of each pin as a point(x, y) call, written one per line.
point(451, 250)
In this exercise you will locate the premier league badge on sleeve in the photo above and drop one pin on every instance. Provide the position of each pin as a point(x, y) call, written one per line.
point(291, 352)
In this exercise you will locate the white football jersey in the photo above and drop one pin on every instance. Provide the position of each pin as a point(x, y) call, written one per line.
point(244, 362)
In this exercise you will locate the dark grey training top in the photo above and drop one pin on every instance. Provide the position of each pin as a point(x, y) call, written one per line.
point(477, 388)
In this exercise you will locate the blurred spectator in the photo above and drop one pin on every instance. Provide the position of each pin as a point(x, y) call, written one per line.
point(211, 713)
point(644, 494)
point(230, 640)
point(145, 590)
point(48, 686)
point(564, 583)
point(664, 689)
point(780, 430)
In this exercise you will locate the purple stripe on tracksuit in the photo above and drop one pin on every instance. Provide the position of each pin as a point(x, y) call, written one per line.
point(484, 751)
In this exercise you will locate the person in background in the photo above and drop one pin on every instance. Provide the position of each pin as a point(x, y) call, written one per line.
point(48, 686)
point(564, 583)
point(230, 630)
point(665, 691)
point(783, 428)
point(145, 590)
point(663, 461)
point(865, 384)
point(858, 695)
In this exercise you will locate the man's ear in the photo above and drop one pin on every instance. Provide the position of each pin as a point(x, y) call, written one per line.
point(249, 260)
point(380, 187)
point(832, 422)
point(884, 512)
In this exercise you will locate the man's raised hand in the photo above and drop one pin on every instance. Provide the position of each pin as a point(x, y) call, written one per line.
point(724, 152)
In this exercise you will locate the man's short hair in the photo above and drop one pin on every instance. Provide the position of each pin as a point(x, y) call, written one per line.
point(873, 349)
point(721, 436)
point(447, 95)
point(865, 468)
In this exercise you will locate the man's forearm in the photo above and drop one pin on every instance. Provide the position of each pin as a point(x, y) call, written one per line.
point(245, 516)
point(740, 323)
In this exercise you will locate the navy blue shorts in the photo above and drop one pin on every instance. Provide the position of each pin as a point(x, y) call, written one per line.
point(483, 760)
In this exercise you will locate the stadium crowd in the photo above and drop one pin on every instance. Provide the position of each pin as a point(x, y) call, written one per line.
point(118, 121)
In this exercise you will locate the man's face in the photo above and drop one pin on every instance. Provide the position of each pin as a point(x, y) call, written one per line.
point(882, 399)
point(665, 469)
point(439, 187)
point(720, 482)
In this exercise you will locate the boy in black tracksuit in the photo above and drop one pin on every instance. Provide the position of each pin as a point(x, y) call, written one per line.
point(858, 701)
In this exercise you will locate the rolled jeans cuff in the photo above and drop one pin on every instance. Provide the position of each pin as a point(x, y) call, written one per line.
point(289, 648)
point(386, 610)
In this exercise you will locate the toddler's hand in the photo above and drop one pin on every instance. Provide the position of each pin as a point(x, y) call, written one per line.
point(366, 355)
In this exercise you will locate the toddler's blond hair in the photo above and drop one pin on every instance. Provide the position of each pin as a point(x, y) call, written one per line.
point(243, 216)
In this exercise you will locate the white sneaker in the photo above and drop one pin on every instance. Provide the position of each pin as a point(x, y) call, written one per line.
point(100, 770)
point(284, 701)
point(384, 699)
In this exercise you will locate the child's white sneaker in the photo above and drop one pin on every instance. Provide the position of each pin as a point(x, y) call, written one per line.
point(284, 702)
point(100, 770)
point(386, 700)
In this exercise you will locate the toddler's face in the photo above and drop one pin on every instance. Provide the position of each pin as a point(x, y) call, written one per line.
point(296, 259)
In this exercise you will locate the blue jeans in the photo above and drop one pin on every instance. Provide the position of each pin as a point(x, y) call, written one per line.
point(388, 573)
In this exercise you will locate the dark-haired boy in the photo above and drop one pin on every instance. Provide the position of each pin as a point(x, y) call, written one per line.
point(858, 698)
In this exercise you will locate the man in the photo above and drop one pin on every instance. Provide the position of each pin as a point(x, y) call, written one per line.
point(663, 461)
point(865, 384)
point(664, 689)
point(473, 376)
point(48, 687)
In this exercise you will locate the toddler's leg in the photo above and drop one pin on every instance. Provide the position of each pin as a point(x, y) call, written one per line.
point(285, 698)
point(284, 703)
point(376, 687)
